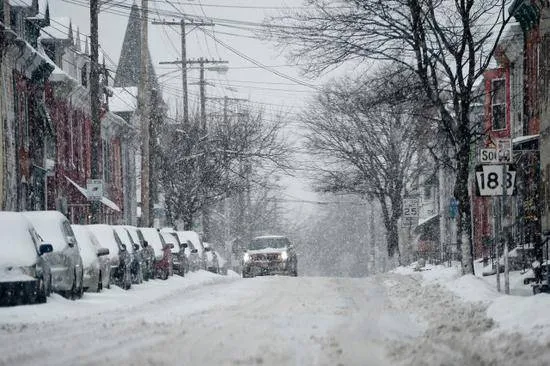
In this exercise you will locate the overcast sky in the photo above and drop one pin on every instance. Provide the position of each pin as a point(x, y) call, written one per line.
point(236, 40)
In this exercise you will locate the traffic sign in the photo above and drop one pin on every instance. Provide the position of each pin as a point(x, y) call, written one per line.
point(410, 207)
point(95, 189)
point(488, 156)
point(490, 180)
point(504, 150)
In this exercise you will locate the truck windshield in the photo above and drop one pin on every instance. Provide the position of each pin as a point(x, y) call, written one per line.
point(268, 242)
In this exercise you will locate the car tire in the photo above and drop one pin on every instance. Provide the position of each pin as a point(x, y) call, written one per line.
point(42, 293)
point(100, 282)
point(80, 292)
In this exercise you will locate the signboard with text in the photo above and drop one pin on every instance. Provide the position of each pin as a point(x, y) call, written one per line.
point(491, 181)
point(410, 207)
point(95, 189)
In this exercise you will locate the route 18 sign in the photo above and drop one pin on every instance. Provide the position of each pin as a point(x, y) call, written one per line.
point(490, 180)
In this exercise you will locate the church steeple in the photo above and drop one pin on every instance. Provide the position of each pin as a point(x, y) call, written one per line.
point(128, 70)
point(78, 46)
point(70, 35)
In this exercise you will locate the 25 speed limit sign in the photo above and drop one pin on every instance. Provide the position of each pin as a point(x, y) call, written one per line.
point(491, 182)
point(410, 207)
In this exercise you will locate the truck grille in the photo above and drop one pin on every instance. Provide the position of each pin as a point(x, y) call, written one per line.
point(265, 257)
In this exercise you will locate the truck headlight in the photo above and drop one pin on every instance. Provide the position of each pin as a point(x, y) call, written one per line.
point(246, 257)
point(284, 255)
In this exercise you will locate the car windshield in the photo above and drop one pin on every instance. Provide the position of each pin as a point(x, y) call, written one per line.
point(268, 242)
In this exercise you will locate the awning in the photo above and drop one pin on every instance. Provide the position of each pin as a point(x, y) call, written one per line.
point(521, 139)
point(426, 221)
point(107, 202)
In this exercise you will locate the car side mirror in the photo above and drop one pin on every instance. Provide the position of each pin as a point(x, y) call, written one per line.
point(102, 252)
point(184, 245)
point(123, 248)
point(45, 248)
point(136, 247)
point(207, 249)
point(71, 241)
point(194, 250)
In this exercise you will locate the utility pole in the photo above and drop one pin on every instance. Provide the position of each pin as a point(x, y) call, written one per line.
point(227, 125)
point(201, 62)
point(95, 104)
point(144, 116)
point(182, 23)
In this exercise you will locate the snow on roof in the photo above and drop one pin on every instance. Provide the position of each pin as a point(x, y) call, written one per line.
point(59, 29)
point(21, 3)
point(106, 238)
point(153, 239)
point(133, 233)
point(18, 247)
point(520, 139)
point(123, 99)
point(49, 225)
point(193, 237)
point(170, 239)
point(88, 251)
point(124, 237)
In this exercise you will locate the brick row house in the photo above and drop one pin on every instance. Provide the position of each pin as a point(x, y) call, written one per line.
point(46, 120)
point(517, 100)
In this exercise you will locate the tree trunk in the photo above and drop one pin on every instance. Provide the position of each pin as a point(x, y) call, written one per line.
point(464, 225)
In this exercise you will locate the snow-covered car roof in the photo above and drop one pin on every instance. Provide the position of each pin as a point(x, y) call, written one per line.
point(152, 236)
point(105, 235)
point(50, 227)
point(133, 233)
point(88, 250)
point(124, 236)
point(170, 239)
point(193, 237)
point(18, 242)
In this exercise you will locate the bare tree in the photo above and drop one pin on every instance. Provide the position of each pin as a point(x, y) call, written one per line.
point(199, 169)
point(367, 137)
point(448, 44)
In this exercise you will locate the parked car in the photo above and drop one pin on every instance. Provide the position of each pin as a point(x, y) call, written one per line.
point(191, 253)
point(179, 259)
point(65, 261)
point(134, 249)
point(97, 269)
point(212, 263)
point(119, 257)
point(196, 254)
point(147, 256)
point(272, 254)
point(163, 254)
point(25, 275)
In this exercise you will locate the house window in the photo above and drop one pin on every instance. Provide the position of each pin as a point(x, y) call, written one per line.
point(106, 161)
point(84, 75)
point(498, 104)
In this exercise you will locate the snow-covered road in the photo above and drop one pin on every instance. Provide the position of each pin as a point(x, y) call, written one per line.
point(206, 319)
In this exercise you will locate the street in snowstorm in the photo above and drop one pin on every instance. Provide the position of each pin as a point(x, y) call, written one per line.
point(206, 319)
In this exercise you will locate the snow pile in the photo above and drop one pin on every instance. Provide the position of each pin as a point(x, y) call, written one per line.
point(59, 308)
point(526, 315)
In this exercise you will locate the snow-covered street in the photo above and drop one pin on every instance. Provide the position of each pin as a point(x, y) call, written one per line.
point(206, 319)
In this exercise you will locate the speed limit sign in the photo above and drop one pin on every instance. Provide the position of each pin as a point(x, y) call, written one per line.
point(410, 207)
point(492, 182)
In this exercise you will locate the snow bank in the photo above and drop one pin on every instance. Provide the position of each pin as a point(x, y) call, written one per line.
point(59, 308)
point(526, 315)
